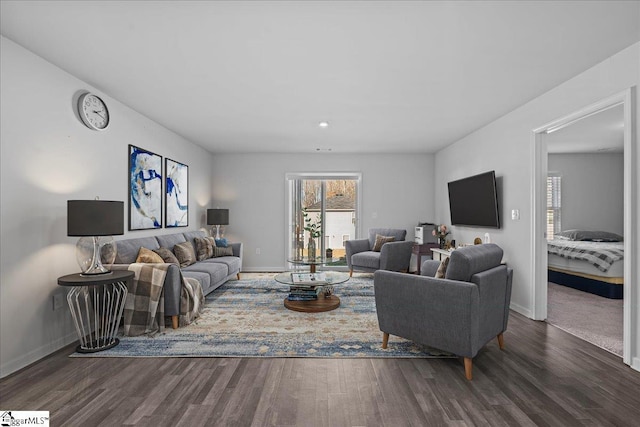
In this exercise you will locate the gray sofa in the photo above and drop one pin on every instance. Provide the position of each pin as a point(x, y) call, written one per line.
point(211, 273)
point(459, 313)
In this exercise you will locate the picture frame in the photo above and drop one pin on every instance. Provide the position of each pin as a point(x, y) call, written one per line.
point(176, 194)
point(145, 189)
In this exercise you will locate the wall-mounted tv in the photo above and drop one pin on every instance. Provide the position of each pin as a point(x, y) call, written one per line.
point(473, 201)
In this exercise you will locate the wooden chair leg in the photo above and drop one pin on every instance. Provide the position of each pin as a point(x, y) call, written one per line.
point(385, 339)
point(238, 276)
point(501, 341)
point(468, 366)
point(174, 322)
point(350, 272)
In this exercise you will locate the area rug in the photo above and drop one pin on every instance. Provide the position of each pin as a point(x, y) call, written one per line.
point(247, 318)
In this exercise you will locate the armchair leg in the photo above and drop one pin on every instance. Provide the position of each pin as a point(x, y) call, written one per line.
point(350, 272)
point(385, 339)
point(174, 322)
point(468, 366)
point(501, 341)
point(238, 275)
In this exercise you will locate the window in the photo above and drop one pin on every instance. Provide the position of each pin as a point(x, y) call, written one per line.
point(553, 204)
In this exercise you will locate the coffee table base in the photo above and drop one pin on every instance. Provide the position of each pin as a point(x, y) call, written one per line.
point(316, 306)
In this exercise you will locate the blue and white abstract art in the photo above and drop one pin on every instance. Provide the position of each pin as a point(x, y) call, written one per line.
point(177, 194)
point(145, 189)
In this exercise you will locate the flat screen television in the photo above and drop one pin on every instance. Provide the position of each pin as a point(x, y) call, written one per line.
point(473, 201)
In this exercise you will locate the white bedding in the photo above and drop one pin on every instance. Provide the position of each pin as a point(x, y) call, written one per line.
point(615, 267)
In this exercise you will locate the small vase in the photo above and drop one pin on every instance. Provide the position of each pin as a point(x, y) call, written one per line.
point(441, 242)
point(311, 249)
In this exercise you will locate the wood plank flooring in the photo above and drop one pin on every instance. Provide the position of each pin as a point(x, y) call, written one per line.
point(544, 377)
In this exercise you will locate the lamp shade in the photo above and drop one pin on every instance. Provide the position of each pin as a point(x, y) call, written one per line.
point(95, 218)
point(217, 216)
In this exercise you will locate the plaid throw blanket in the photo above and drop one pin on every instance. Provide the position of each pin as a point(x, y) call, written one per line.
point(600, 254)
point(144, 307)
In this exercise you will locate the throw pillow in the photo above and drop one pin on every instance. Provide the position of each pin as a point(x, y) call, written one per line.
point(167, 256)
point(221, 243)
point(148, 256)
point(185, 253)
point(204, 249)
point(381, 240)
point(442, 268)
point(223, 251)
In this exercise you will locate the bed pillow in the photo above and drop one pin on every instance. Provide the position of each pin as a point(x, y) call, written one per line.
point(589, 236)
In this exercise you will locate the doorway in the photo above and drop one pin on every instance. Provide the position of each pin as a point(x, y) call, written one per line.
point(323, 212)
point(585, 191)
point(539, 262)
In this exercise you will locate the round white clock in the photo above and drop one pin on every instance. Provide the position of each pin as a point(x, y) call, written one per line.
point(93, 111)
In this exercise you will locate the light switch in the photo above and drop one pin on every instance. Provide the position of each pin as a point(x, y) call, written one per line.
point(515, 214)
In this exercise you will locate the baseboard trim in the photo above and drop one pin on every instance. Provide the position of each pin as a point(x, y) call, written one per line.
point(520, 309)
point(35, 355)
point(635, 364)
point(262, 270)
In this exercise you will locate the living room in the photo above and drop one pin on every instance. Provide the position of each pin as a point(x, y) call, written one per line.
point(48, 157)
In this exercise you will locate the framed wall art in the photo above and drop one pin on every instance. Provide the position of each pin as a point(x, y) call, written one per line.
point(145, 189)
point(176, 194)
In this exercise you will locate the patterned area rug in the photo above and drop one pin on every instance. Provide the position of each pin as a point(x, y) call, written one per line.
point(247, 318)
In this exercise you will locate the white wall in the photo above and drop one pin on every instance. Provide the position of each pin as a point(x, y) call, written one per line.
point(48, 157)
point(396, 189)
point(506, 146)
point(592, 190)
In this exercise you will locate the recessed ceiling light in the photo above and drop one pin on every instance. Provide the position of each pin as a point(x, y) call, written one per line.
point(323, 124)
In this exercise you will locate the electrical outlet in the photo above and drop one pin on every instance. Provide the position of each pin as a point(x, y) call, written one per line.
point(58, 301)
point(515, 214)
point(257, 251)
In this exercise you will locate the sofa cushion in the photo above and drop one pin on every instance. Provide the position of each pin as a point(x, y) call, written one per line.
point(467, 261)
point(217, 271)
point(148, 256)
point(232, 263)
point(203, 278)
point(128, 249)
point(204, 247)
point(170, 240)
point(381, 240)
point(167, 256)
point(367, 259)
point(441, 272)
point(185, 253)
point(399, 234)
point(220, 252)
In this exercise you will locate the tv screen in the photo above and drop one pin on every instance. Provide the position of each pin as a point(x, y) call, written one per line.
point(473, 201)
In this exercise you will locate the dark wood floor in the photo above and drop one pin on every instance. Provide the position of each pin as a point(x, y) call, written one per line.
point(543, 377)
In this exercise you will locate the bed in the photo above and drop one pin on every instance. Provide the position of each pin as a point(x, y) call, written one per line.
point(589, 261)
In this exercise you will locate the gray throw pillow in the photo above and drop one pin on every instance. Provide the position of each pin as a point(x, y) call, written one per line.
point(381, 240)
point(185, 254)
point(167, 256)
point(228, 251)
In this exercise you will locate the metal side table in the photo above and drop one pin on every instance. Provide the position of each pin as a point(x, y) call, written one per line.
point(97, 303)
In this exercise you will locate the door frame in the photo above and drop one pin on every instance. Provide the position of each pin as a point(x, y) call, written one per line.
point(290, 176)
point(538, 231)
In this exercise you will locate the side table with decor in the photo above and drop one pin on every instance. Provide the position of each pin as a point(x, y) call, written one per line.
point(97, 303)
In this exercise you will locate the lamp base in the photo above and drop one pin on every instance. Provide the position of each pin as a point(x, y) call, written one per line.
point(92, 252)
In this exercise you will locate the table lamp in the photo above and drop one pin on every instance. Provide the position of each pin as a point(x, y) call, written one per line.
point(95, 221)
point(217, 217)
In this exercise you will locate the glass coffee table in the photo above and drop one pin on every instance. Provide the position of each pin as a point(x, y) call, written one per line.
point(326, 300)
point(312, 262)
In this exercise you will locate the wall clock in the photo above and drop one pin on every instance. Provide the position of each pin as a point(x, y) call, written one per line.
point(93, 111)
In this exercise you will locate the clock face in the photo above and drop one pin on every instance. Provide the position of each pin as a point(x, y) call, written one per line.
point(93, 111)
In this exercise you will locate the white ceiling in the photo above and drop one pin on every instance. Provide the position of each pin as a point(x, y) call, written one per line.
point(258, 76)
point(598, 133)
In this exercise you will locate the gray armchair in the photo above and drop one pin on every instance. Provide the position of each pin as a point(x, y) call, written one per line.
point(458, 314)
point(394, 256)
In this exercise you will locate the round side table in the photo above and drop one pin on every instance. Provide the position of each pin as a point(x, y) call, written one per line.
point(96, 303)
